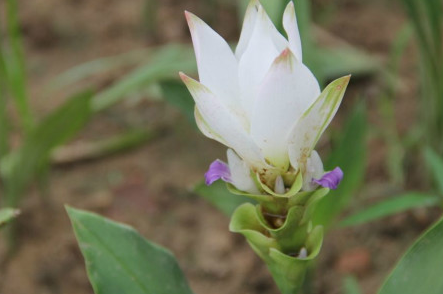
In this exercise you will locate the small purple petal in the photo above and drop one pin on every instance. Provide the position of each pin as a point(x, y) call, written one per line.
point(217, 170)
point(330, 179)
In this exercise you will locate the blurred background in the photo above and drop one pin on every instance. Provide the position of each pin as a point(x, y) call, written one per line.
point(93, 115)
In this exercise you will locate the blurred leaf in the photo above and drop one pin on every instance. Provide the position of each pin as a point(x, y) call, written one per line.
point(389, 207)
point(4, 121)
point(15, 66)
point(420, 269)
point(97, 66)
point(350, 155)
point(166, 62)
point(91, 150)
point(176, 93)
point(7, 215)
point(426, 18)
point(351, 286)
point(219, 196)
point(435, 164)
point(21, 166)
point(119, 260)
point(331, 63)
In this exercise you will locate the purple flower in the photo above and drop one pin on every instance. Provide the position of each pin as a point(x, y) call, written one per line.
point(217, 170)
point(330, 179)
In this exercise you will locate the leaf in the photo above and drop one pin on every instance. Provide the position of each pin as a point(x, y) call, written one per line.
point(119, 260)
point(7, 215)
point(165, 64)
point(21, 166)
point(15, 66)
point(330, 63)
point(176, 94)
point(219, 196)
point(97, 66)
point(350, 155)
point(83, 150)
point(389, 207)
point(420, 269)
point(351, 285)
point(435, 164)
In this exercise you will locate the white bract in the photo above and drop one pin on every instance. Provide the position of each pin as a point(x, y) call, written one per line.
point(261, 101)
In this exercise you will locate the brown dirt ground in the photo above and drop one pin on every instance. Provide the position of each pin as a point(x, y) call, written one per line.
point(148, 187)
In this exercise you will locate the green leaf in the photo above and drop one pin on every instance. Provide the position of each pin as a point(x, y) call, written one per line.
point(119, 260)
point(420, 269)
point(435, 164)
point(7, 215)
point(350, 155)
point(391, 206)
point(165, 64)
point(97, 66)
point(176, 93)
point(21, 166)
point(351, 285)
point(15, 66)
point(219, 196)
point(330, 63)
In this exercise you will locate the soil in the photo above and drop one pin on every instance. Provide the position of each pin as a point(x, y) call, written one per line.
point(150, 187)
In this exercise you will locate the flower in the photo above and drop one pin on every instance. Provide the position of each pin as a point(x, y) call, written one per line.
point(261, 101)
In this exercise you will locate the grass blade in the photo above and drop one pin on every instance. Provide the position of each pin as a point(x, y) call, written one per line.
point(435, 164)
point(165, 64)
point(390, 207)
point(20, 167)
point(15, 66)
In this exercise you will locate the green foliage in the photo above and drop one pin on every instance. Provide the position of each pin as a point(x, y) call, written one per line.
point(165, 63)
point(7, 214)
point(21, 166)
point(395, 144)
point(419, 271)
point(349, 153)
point(175, 93)
point(435, 164)
point(14, 64)
point(119, 260)
point(4, 124)
point(391, 206)
point(218, 195)
point(351, 286)
point(84, 71)
point(329, 63)
point(426, 18)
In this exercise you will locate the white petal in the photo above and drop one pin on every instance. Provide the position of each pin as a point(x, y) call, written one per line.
point(219, 123)
point(217, 65)
point(264, 46)
point(240, 173)
point(291, 28)
point(288, 90)
point(247, 28)
point(205, 129)
point(279, 186)
point(314, 170)
point(314, 121)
